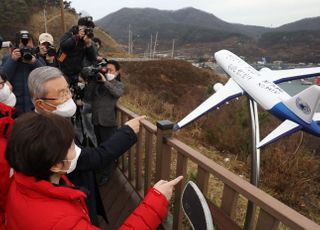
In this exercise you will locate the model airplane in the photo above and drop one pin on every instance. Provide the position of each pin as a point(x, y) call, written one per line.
point(297, 112)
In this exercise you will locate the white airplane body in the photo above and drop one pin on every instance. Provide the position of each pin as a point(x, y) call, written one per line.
point(298, 112)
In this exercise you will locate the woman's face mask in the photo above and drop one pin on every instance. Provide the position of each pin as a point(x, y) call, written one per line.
point(73, 162)
point(7, 97)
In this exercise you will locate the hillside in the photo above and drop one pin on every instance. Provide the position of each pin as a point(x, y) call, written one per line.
point(304, 24)
point(32, 20)
point(292, 46)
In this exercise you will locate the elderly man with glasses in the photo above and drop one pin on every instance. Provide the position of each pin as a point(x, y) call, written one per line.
point(50, 93)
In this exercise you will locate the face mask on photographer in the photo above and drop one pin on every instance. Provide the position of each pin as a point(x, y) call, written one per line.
point(81, 85)
point(6, 96)
point(110, 76)
point(66, 109)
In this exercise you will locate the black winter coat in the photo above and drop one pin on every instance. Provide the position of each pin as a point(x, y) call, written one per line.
point(18, 74)
point(76, 52)
point(92, 159)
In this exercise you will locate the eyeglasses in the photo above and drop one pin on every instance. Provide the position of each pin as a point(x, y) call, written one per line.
point(63, 95)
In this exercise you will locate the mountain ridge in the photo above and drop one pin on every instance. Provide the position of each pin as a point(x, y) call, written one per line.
point(193, 28)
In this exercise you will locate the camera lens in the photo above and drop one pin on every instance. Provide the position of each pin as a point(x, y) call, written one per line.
point(27, 56)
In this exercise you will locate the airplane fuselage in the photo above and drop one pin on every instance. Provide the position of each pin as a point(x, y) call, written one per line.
point(266, 93)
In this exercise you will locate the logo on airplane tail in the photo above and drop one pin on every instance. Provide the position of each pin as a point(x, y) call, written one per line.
point(303, 106)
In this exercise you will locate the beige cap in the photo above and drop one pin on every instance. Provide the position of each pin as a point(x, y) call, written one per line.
point(46, 37)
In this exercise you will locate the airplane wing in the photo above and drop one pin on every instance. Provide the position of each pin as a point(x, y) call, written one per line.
point(229, 91)
point(278, 76)
point(285, 128)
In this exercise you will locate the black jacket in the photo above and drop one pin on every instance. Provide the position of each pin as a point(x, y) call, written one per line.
point(92, 159)
point(76, 52)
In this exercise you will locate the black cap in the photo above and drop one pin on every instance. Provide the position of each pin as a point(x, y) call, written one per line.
point(86, 21)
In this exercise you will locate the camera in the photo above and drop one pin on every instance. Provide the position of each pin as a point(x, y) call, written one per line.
point(92, 71)
point(5, 44)
point(51, 50)
point(26, 53)
point(89, 32)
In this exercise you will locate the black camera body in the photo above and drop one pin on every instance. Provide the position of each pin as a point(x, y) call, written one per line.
point(27, 53)
point(51, 51)
point(89, 32)
point(92, 71)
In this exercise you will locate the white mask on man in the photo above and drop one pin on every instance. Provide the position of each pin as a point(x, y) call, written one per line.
point(7, 97)
point(66, 109)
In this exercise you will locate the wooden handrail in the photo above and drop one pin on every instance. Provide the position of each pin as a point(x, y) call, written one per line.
point(272, 211)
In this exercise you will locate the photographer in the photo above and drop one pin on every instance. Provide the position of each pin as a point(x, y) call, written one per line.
point(105, 88)
point(83, 119)
point(17, 66)
point(76, 46)
point(46, 52)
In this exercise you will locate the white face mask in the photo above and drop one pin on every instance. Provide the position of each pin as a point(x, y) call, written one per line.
point(7, 97)
point(110, 76)
point(74, 161)
point(66, 109)
point(81, 85)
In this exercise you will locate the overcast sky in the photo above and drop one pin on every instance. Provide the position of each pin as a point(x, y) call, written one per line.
point(270, 13)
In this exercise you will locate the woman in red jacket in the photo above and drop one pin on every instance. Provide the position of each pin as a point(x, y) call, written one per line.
point(7, 101)
point(41, 150)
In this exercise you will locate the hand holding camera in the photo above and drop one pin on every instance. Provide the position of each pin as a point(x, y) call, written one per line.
point(16, 55)
point(101, 77)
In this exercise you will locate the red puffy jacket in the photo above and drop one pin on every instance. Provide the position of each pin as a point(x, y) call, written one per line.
point(39, 205)
point(6, 122)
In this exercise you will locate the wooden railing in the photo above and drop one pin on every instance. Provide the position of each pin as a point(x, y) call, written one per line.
point(157, 155)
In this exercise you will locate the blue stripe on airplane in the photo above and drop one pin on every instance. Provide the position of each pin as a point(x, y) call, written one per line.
point(283, 112)
point(285, 79)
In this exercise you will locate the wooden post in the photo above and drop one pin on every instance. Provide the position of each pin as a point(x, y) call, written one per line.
point(182, 162)
point(163, 151)
point(63, 25)
point(148, 160)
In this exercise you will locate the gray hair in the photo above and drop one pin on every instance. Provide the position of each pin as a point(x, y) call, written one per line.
point(38, 77)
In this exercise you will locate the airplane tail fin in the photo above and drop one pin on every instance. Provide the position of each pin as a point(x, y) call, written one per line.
point(304, 104)
point(285, 128)
point(316, 117)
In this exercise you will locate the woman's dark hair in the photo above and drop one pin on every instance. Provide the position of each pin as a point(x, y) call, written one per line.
point(3, 76)
point(117, 66)
point(37, 142)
